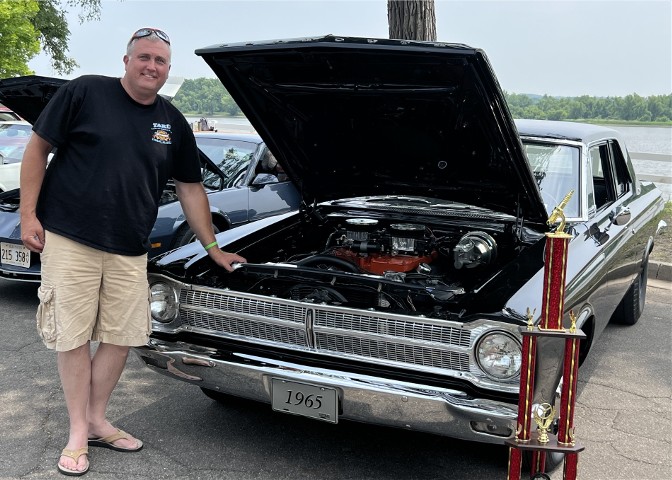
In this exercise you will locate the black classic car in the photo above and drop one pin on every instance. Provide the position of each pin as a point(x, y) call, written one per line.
point(394, 296)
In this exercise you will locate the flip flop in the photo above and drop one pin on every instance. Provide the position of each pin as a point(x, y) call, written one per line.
point(74, 454)
point(108, 442)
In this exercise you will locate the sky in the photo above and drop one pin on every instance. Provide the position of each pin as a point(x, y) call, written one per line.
point(555, 47)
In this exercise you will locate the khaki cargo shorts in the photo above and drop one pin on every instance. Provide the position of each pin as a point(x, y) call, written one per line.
point(87, 294)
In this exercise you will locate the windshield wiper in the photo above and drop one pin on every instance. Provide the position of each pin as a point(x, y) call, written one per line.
point(399, 199)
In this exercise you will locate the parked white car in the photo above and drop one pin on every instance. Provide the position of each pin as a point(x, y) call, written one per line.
point(14, 136)
point(9, 176)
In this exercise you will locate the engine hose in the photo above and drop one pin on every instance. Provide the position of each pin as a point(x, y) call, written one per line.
point(344, 264)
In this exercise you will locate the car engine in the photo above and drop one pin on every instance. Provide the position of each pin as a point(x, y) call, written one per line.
point(401, 248)
point(363, 262)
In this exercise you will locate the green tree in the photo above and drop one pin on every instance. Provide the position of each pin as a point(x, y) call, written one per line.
point(205, 96)
point(28, 25)
point(577, 109)
point(629, 108)
point(19, 41)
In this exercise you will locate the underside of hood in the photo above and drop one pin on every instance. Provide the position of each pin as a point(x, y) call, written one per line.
point(354, 117)
point(28, 95)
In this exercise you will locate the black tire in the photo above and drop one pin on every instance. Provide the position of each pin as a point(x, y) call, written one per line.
point(186, 235)
point(632, 305)
point(553, 460)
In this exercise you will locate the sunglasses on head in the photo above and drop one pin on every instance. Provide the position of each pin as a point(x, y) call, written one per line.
point(146, 32)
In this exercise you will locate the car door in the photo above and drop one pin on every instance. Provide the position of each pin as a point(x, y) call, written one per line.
point(270, 192)
point(609, 224)
point(623, 216)
point(228, 190)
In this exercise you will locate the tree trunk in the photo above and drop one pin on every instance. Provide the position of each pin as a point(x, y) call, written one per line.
point(412, 19)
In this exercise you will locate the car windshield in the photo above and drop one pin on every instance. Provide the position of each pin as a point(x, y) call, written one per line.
point(556, 171)
point(13, 140)
point(232, 157)
point(7, 116)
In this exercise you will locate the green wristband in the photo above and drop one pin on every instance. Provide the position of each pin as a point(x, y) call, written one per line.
point(210, 245)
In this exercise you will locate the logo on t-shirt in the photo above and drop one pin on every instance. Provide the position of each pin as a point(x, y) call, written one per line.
point(161, 133)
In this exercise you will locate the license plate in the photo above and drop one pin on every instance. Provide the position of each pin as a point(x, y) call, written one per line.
point(13, 254)
point(304, 399)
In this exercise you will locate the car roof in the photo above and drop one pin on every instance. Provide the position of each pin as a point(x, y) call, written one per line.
point(580, 132)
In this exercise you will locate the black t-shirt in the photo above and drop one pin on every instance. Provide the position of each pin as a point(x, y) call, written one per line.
point(113, 159)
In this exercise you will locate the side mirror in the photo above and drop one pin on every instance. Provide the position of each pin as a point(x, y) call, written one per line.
point(620, 216)
point(662, 227)
point(264, 179)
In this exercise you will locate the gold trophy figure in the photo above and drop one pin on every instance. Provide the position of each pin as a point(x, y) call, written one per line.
point(543, 417)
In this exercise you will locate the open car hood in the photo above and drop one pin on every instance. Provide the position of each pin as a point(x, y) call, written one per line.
point(28, 95)
point(356, 117)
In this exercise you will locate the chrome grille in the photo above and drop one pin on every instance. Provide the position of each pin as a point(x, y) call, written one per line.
point(393, 352)
point(395, 328)
point(409, 342)
point(248, 306)
point(246, 328)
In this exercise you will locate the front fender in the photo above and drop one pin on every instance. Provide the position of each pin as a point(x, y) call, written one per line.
point(189, 254)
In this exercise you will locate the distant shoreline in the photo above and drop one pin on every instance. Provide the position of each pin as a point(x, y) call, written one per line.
point(594, 121)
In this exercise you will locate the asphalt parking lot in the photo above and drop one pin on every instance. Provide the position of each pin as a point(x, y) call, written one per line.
point(624, 419)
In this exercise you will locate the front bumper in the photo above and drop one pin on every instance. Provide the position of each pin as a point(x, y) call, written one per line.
point(361, 398)
point(10, 272)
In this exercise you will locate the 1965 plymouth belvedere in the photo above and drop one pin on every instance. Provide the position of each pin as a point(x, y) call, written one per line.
point(395, 294)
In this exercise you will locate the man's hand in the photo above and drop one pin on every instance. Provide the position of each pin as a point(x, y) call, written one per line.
point(225, 259)
point(33, 167)
point(32, 234)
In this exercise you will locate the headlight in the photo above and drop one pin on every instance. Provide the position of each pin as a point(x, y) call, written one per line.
point(163, 302)
point(499, 355)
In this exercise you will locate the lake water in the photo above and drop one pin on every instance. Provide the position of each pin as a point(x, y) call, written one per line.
point(651, 140)
point(646, 139)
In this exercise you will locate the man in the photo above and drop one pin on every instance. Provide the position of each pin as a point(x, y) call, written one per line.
point(269, 164)
point(90, 214)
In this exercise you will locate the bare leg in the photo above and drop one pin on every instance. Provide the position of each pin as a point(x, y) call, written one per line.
point(106, 367)
point(74, 368)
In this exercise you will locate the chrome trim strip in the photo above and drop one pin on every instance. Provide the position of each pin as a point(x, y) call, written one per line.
point(242, 316)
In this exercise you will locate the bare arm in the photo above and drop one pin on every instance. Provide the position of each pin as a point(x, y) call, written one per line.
point(195, 205)
point(33, 167)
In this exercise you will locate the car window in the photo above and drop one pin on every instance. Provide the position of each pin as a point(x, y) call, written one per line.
point(556, 171)
point(7, 116)
point(611, 179)
point(13, 140)
point(232, 157)
point(621, 174)
point(14, 130)
point(602, 187)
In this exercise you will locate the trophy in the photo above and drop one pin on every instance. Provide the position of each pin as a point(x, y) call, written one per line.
point(543, 417)
point(550, 325)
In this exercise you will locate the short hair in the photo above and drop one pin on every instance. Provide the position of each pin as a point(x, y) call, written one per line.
point(151, 37)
